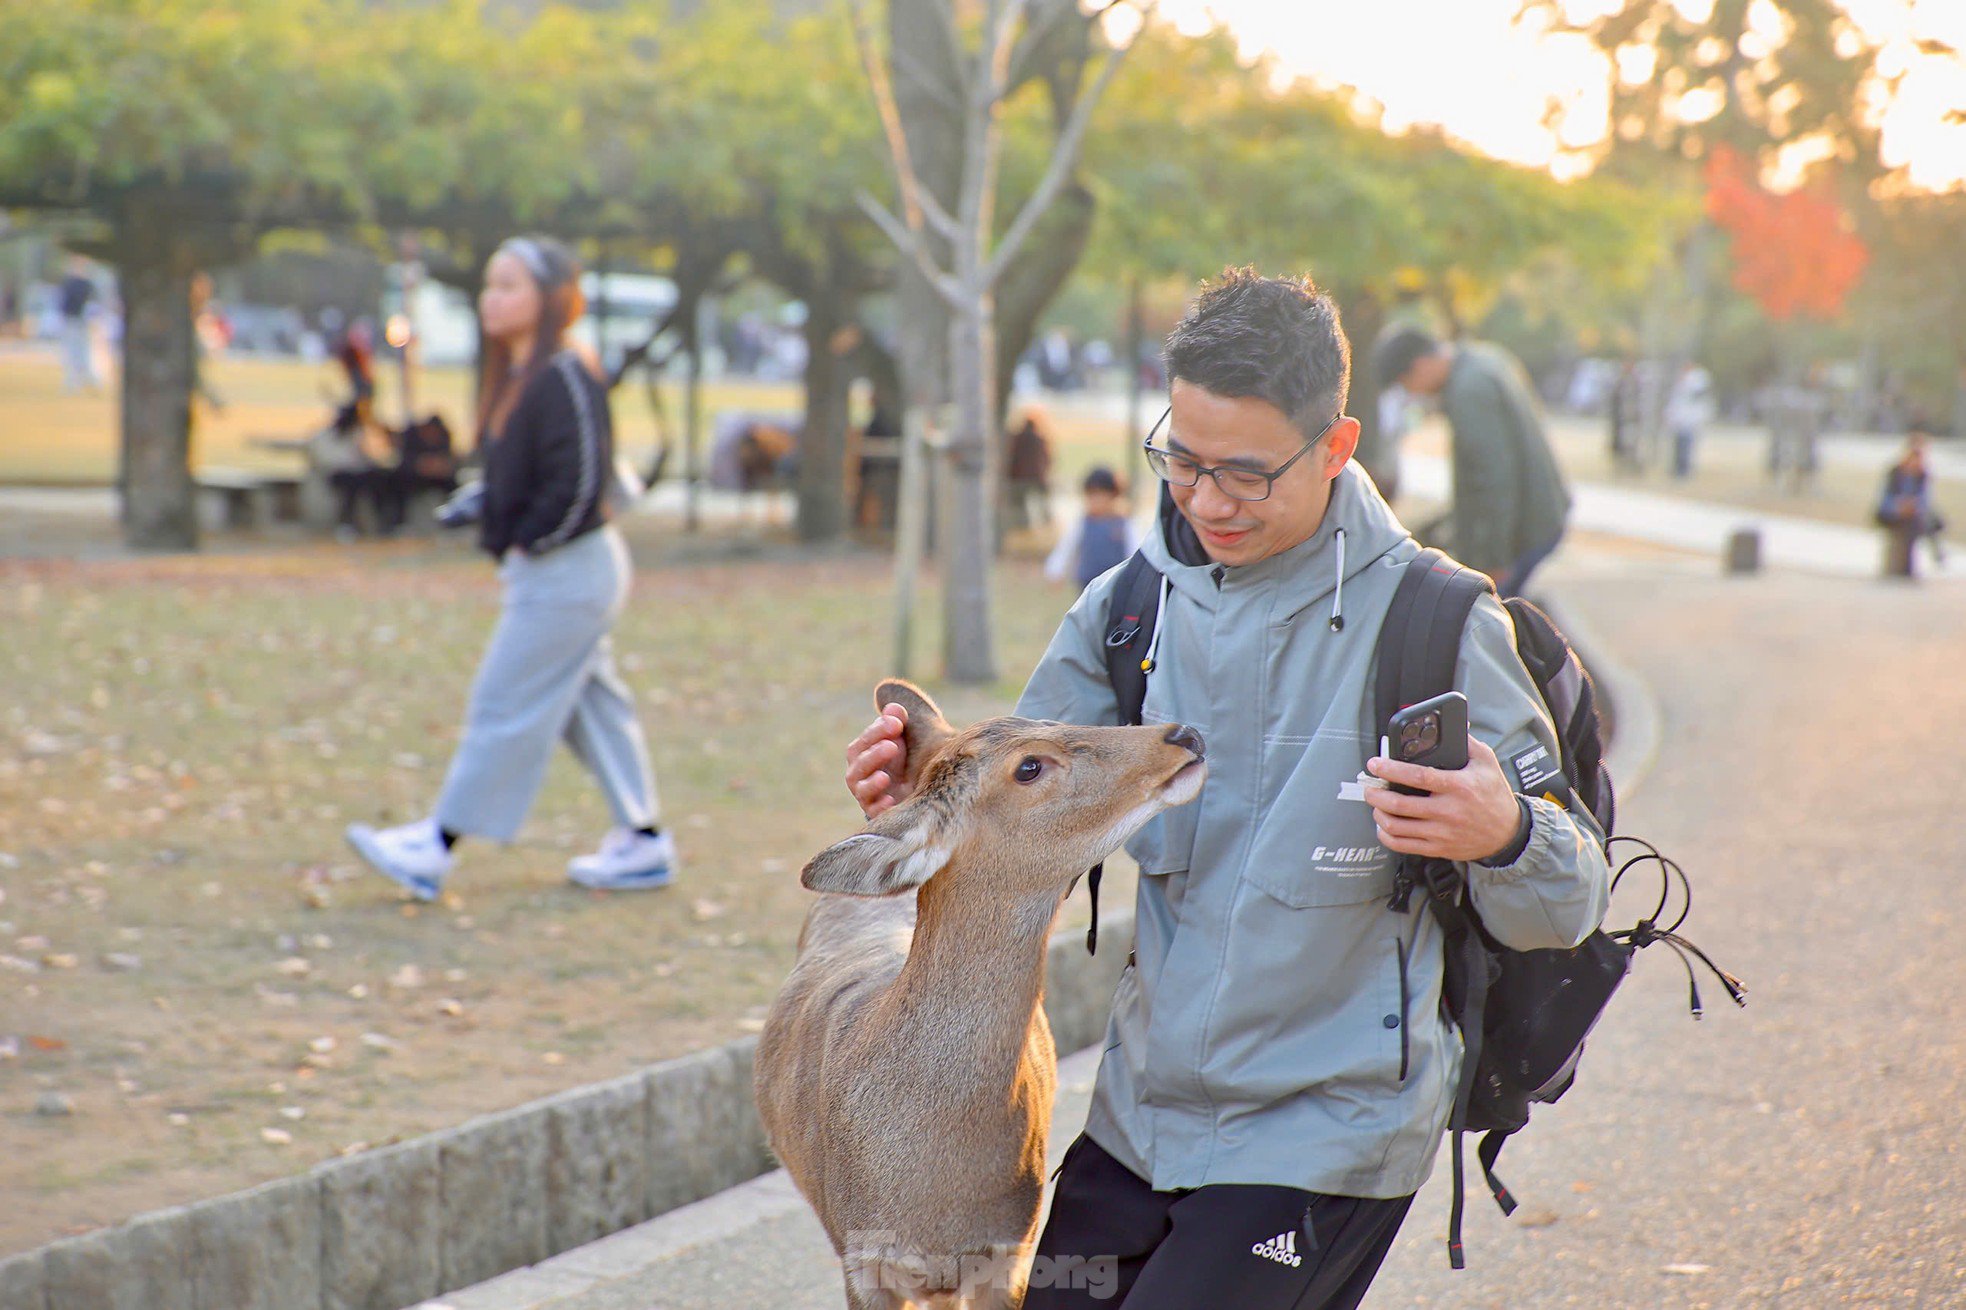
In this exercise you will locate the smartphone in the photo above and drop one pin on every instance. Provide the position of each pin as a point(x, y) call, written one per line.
point(1433, 733)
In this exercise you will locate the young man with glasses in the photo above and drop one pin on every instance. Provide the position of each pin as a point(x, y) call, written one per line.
point(1277, 1071)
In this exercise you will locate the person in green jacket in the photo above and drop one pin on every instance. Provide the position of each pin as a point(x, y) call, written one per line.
point(1510, 501)
point(1277, 1073)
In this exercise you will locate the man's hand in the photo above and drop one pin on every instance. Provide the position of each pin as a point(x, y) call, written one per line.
point(1469, 814)
point(877, 763)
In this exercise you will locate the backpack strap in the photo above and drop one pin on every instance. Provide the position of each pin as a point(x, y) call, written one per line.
point(1130, 614)
point(1419, 650)
point(1131, 611)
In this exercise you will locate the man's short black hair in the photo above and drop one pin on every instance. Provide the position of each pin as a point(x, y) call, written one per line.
point(1398, 350)
point(1272, 339)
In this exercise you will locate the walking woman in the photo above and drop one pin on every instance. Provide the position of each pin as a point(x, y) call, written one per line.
point(549, 673)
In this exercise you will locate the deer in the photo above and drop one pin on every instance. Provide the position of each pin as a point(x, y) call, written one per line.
point(906, 1071)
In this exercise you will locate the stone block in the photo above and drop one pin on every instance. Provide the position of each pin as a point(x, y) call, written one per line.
point(22, 1286)
point(259, 1249)
point(145, 1264)
point(494, 1196)
point(597, 1165)
point(704, 1133)
point(1078, 989)
point(1744, 551)
point(380, 1225)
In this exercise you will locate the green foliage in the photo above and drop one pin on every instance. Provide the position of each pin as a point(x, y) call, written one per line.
point(1203, 159)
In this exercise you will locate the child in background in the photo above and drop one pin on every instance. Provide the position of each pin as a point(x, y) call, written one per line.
point(1102, 537)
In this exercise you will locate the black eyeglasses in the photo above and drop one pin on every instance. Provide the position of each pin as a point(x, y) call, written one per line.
point(1235, 483)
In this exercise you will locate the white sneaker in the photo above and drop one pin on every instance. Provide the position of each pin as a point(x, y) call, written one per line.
point(628, 860)
point(411, 855)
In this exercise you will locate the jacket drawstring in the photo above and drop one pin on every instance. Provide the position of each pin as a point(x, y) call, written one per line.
point(1160, 626)
point(1338, 595)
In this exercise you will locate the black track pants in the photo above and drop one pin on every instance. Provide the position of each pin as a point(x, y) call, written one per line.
point(1112, 1242)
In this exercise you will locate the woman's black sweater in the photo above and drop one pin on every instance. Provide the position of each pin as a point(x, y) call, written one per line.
point(547, 473)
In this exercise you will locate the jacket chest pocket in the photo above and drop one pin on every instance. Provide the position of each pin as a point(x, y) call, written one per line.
point(1315, 848)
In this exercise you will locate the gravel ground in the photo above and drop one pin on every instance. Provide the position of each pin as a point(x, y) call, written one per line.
point(1805, 1151)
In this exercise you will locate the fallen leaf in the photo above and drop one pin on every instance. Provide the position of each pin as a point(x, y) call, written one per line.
point(703, 909)
point(321, 1045)
point(276, 1136)
point(452, 1007)
point(47, 1043)
point(293, 1112)
point(406, 977)
point(294, 967)
point(1686, 1270)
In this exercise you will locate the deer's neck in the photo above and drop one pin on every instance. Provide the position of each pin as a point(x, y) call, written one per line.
point(975, 973)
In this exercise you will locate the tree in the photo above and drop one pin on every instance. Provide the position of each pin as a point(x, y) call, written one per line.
point(183, 133)
point(1795, 253)
point(1781, 85)
point(966, 279)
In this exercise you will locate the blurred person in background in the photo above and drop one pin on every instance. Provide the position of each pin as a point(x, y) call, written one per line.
point(1689, 408)
point(1905, 510)
point(1510, 501)
point(73, 299)
point(1101, 537)
point(548, 676)
point(1027, 471)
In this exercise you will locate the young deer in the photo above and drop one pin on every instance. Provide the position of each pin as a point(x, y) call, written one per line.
point(906, 1070)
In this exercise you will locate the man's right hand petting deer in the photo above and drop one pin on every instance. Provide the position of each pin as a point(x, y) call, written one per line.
point(1278, 1067)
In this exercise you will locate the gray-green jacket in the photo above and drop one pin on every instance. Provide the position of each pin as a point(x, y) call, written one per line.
point(1267, 1034)
point(1509, 495)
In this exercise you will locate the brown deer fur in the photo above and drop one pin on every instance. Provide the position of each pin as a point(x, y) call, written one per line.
point(906, 1070)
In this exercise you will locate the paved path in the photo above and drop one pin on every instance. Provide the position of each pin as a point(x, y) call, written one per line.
point(1806, 1152)
point(1787, 541)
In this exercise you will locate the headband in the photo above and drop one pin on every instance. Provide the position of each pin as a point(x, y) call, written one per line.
point(533, 256)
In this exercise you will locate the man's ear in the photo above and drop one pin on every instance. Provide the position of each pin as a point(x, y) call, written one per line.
point(927, 730)
point(1341, 444)
point(889, 858)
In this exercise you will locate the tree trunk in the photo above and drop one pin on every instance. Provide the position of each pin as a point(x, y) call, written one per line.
point(693, 414)
point(1034, 279)
point(159, 496)
point(822, 444)
point(968, 649)
point(1132, 461)
point(1378, 454)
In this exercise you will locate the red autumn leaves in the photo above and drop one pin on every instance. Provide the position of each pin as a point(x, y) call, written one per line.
point(1794, 253)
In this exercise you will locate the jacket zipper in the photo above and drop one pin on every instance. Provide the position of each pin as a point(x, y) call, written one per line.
point(1400, 948)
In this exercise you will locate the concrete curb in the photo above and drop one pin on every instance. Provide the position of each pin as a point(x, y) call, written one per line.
point(488, 1200)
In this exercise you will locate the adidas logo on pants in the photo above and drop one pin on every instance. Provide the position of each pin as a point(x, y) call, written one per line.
point(1282, 1248)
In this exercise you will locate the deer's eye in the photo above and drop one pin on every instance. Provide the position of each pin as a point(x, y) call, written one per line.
point(1029, 769)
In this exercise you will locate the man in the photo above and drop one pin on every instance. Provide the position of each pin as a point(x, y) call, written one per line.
point(1510, 503)
point(1277, 1073)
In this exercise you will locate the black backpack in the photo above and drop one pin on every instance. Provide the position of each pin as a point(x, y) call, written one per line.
point(1523, 1015)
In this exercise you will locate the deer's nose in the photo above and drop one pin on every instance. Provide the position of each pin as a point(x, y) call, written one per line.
point(1182, 735)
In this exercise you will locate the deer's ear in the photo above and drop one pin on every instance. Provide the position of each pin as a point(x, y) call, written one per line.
point(927, 730)
point(876, 864)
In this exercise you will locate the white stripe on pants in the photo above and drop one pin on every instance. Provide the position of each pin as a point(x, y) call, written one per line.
point(549, 676)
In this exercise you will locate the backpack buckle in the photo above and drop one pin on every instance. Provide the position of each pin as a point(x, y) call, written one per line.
point(1123, 633)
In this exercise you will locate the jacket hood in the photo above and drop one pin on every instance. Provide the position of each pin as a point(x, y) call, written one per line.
point(1358, 529)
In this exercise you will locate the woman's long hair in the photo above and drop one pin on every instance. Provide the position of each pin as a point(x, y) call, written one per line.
point(555, 270)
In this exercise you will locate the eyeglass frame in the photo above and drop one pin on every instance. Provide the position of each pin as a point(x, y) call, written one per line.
point(1269, 476)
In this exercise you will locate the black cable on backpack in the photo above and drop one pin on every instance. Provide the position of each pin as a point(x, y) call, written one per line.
point(1647, 930)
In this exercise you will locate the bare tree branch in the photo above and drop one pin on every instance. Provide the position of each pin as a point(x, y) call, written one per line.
point(913, 69)
point(1064, 159)
point(1037, 33)
point(897, 140)
point(909, 242)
